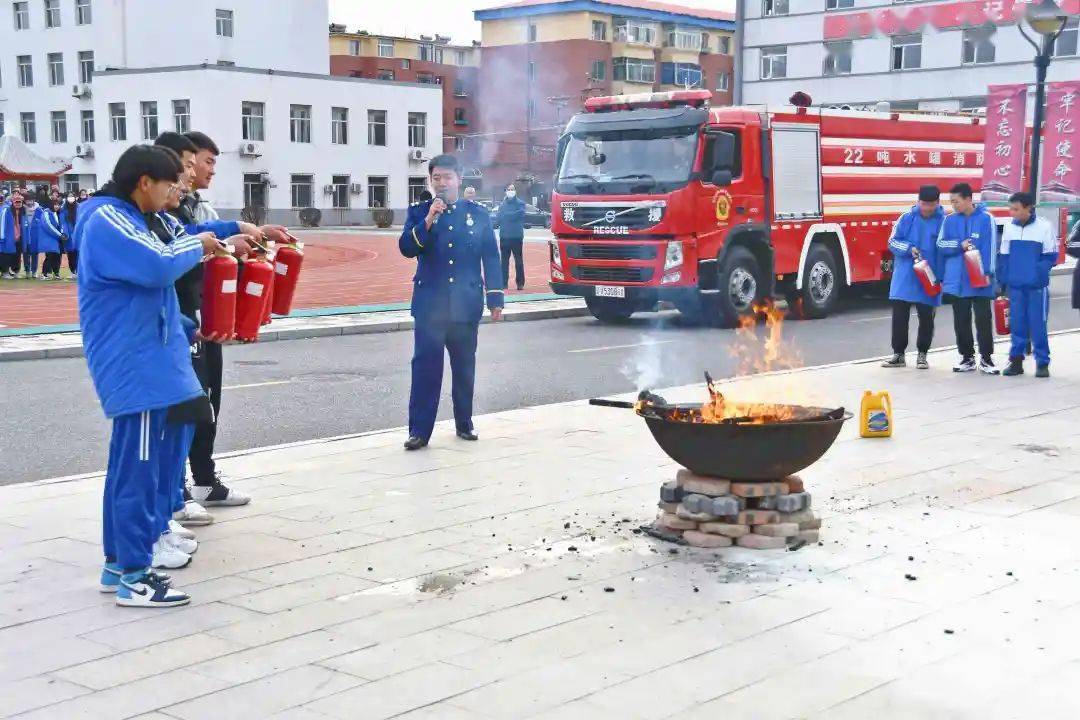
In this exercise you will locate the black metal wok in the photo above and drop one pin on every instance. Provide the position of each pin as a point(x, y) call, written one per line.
point(737, 449)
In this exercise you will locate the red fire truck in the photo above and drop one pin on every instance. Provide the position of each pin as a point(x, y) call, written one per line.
point(659, 197)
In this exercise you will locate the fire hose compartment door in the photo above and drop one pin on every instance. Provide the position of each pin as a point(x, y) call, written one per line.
point(796, 171)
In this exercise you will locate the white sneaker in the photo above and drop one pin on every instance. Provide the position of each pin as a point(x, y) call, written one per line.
point(177, 529)
point(219, 495)
point(168, 557)
point(184, 545)
point(965, 365)
point(193, 514)
point(987, 367)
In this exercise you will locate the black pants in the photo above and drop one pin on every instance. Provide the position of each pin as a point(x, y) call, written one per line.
point(16, 261)
point(208, 364)
point(51, 266)
point(962, 308)
point(901, 315)
point(513, 246)
point(73, 261)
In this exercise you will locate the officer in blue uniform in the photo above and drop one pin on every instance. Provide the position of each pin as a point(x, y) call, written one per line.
point(457, 268)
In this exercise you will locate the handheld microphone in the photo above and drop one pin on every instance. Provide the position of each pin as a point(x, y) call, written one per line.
point(441, 196)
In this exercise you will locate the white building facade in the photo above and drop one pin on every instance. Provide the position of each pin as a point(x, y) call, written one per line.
point(85, 79)
point(785, 50)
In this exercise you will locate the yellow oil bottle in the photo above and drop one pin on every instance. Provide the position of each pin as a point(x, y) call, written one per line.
point(875, 415)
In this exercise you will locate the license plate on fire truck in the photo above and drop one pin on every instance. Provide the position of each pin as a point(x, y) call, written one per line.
point(611, 291)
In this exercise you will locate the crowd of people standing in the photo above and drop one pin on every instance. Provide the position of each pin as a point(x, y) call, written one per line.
point(37, 229)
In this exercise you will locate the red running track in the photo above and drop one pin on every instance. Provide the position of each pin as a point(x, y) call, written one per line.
point(340, 269)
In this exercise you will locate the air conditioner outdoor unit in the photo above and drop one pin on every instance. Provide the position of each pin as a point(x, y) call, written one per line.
point(328, 189)
point(416, 155)
point(250, 149)
point(80, 91)
point(84, 151)
point(355, 189)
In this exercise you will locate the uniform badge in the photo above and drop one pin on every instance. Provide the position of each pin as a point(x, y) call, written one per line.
point(469, 220)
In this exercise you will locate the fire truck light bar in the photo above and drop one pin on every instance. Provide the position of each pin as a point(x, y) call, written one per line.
point(674, 98)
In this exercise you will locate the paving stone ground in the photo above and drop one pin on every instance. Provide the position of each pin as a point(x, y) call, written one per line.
point(469, 582)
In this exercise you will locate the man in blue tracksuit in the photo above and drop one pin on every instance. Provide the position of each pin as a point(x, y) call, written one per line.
point(50, 240)
point(511, 219)
point(137, 347)
point(914, 236)
point(1029, 250)
point(969, 226)
point(452, 241)
point(14, 231)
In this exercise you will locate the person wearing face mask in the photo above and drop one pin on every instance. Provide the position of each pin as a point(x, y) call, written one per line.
point(14, 231)
point(511, 221)
point(50, 239)
point(30, 247)
point(68, 216)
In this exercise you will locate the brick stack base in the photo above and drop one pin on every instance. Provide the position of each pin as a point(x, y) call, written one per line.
point(710, 512)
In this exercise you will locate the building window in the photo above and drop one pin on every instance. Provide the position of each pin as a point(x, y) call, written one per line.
point(56, 69)
point(417, 185)
point(837, 58)
point(634, 31)
point(774, 62)
point(26, 71)
point(633, 70)
point(839, 4)
point(118, 122)
point(978, 46)
point(459, 88)
point(598, 71)
point(599, 30)
point(224, 23)
point(431, 53)
point(684, 39)
point(406, 64)
point(254, 190)
point(723, 81)
point(686, 75)
point(148, 110)
point(252, 121)
point(71, 184)
point(906, 52)
point(302, 191)
point(459, 58)
point(181, 112)
point(88, 126)
point(376, 191)
point(58, 121)
point(425, 78)
point(417, 130)
point(725, 44)
point(86, 66)
point(300, 124)
point(29, 127)
point(341, 191)
point(339, 126)
point(354, 47)
point(52, 13)
point(376, 127)
point(1066, 44)
point(386, 48)
point(531, 33)
point(459, 143)
point(83, 14)
point(772, 8)
point(22, 15)
point(386, 75)
point(459, 116)
point(972, 104)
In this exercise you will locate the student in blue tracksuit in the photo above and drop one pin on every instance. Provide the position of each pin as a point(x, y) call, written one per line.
point(969, 226)
point(137, 348)
point(914, 236)
point(30, 247)
point(50, 240)
point(14, 231)
point(1029, 250)
point(68, 217)
point(457, 268)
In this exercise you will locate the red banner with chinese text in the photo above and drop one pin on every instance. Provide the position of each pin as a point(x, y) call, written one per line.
point(1003, 150)
point(1060, 175)
point(944, 16)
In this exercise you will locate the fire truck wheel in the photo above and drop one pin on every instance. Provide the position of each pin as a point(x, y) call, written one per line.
point(821, 285)
point(740, 285)
point(607, 310)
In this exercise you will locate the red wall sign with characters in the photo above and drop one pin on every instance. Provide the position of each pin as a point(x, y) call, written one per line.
point(947, 16)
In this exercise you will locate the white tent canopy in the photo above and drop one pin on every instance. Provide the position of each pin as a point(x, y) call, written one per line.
point(17, 161)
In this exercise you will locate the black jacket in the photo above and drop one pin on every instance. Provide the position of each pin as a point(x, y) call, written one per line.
point(1072, 247)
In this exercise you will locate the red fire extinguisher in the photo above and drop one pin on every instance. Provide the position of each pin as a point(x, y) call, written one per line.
point(251, 301)
point(287, 263)
point(269, 300)
point(926, 275)
point(1001, 316)
point(973, 263)
point(218, 313)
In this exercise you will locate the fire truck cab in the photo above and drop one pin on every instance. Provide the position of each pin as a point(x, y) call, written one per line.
point(660, 198)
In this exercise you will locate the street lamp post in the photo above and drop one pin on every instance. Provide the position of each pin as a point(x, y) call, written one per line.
point(1048, 20)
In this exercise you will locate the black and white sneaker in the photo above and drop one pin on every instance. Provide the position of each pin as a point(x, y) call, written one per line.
point(921, 362)
point(987, 367)
point(896, 361)
point(218, 494)
point(965, 365)
point(149, 591)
